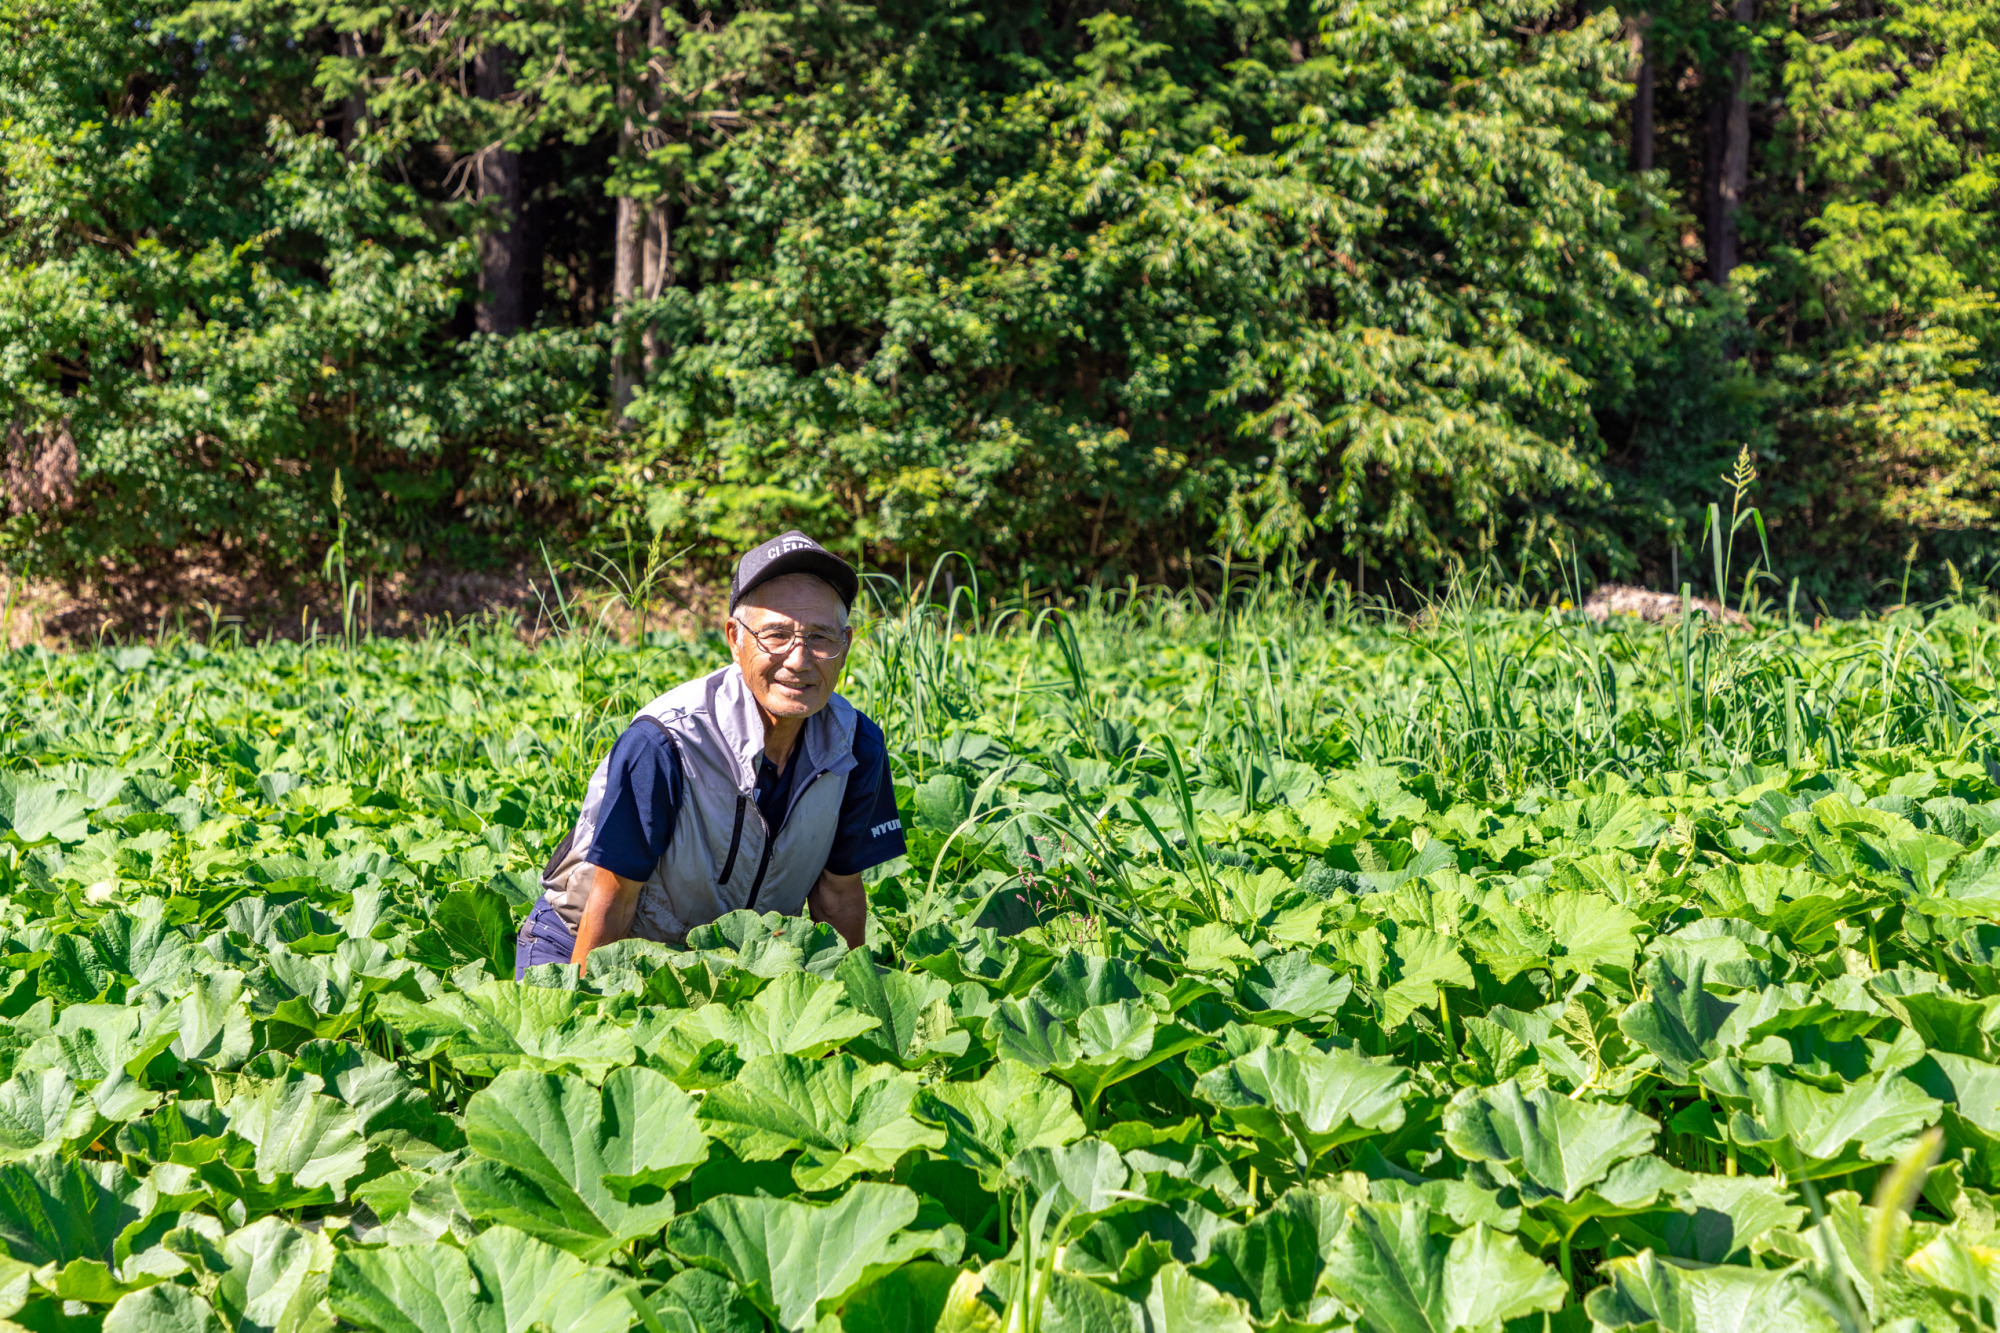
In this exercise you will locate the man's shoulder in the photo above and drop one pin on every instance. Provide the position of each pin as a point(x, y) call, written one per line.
point(644, 740)
point(696, 695)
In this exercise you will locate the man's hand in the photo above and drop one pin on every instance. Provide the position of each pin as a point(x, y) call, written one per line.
point(607, 917)
point(841, 902)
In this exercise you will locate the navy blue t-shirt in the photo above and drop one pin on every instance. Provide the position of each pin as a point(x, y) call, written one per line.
point(642, 796)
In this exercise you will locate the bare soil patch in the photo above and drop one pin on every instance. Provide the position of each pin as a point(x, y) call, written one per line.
point(1621, 599)
point(194, 594)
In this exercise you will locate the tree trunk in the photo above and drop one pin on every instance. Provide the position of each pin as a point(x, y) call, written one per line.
point(627, 242)
point(659, 275)
point(1730, 122)
point(644, 262)
point(502, 250)
point(656, 246)
point(627, 274)
point(354, 109)
point(1642, 96)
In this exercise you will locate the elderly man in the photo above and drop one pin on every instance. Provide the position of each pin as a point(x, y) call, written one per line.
point(755, 786)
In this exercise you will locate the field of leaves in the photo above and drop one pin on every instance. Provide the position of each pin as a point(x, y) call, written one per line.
point(1273, 969)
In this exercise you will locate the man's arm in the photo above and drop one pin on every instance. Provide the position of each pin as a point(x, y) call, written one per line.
point(838, 900)
point(607, 917)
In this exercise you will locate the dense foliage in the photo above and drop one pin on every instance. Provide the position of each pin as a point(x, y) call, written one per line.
point(1080, 288)
point(1658, 996)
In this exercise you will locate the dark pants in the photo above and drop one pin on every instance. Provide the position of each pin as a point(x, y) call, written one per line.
point(543, 939)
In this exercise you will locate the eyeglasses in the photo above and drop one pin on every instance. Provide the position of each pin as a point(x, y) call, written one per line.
point(778, 642)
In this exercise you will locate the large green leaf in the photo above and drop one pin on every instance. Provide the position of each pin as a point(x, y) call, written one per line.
point(1289, 988)
point(1085, 1178)
point(72, 1218)
point(271, 1277)
point(919, 1297)
point(1591, 932)
point(846, 1117)
point(1551, 1145)
point(470, 925)
point(1951, 1267)
point(1970, 1091)
point(165, 1308)
point(75, 973)
point(1006, 1112)
point(799, 1260)
point(300, 1135)
point(1872, 1247)
point(1715, 1218)
point(1422, 961)
point(1080, 981)
point(499, 1026)
point(1972, 888)
point(797, 1014)
point(107, 1048)
point(1028, 1031)
point(40, 1110)
point(379, 1093)
point(186, 1131)
point(214, 1026)
point(768, 944)
point(268, 920)
point(504, 1282)
point(415, 1206)
point(1646, 1292)
point(143, 947)
point(1388, 1265)
point(1134, 1237)
point(1180, 1302)
point(327, 994)
point(1676, 1019)
point(1304, 1100)
point(1610, 822)
point(38, 810)
point(1942, 1019)
point(1113, 1042)
point(1813, 1131)
point(913, 1010)
point(942, 801)
point(1275, 1259)
point(585, 1168)
point(696, 1300)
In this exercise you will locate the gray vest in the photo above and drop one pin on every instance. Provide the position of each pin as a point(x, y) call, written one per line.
point(721, 855)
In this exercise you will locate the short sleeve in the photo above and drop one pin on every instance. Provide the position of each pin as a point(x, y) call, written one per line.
point(642, 798)
point(870, 830)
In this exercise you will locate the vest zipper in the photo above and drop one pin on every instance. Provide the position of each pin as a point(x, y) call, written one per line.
point(763, 864)
point(764, 861)
point(735, 840)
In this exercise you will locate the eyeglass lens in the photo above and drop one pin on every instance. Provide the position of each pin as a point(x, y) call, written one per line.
point(779, 641)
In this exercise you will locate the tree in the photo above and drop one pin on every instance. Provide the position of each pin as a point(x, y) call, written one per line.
point(503, 256)
point(1642, 92)
point(1729, 133)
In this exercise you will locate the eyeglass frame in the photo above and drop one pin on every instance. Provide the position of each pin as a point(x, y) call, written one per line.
point(797, 635)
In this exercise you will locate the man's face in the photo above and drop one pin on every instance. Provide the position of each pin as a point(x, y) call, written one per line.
point(791, 682)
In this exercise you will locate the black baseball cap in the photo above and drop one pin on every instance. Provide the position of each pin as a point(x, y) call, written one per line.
point(793, 553)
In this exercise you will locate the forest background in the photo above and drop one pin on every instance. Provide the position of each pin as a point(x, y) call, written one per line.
point(1094, 291)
